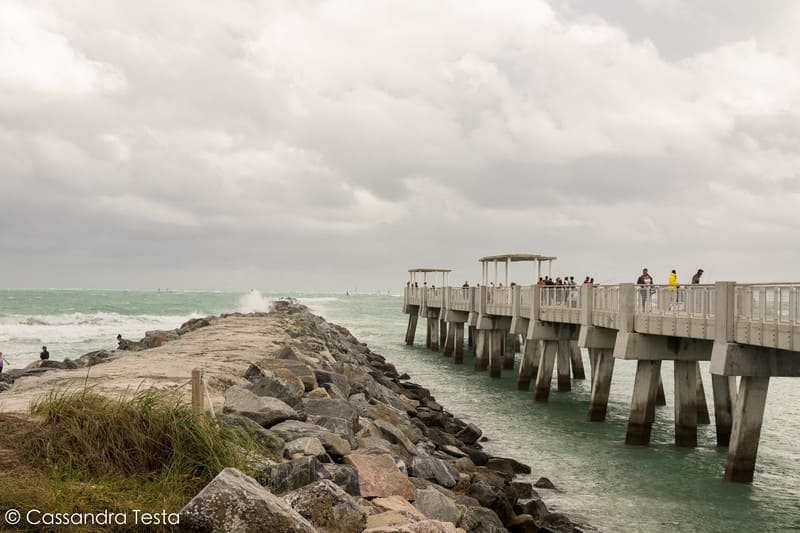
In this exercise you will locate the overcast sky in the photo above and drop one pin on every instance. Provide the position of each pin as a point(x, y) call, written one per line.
point(332, 145)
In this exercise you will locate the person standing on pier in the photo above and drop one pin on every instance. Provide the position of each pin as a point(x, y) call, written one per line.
point(644, 280)
point(696, 277)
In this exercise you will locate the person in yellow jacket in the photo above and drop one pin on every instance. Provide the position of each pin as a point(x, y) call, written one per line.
point(673, 284)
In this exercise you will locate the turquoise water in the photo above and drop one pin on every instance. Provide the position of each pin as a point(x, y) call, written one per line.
point(602, 482)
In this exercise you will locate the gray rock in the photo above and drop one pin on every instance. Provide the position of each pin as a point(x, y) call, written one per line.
point(523, 490)
point(298, 368)
point(95, 358)
point(290, 430)
point(236, 503)
point(544, 483)
point(307, 446)
point(253, 373)
point(523, 523)
point(334, 408)
point(4, 386)
point(493, 498)
point(266, 438)
point(470, 434)
point(345, 476)
point(453, 451)
point(508, 465)
point(336, 425)
point(328, 508)
point(282, 384)
point(478, 457)
point(536, 508)
point(263, 410)
point(437, 506)
point(435, 470)
point(193, 324)
point(287, 353)
point(557, 522)
point(283, 477)
point(481, 520)
point(334, 378)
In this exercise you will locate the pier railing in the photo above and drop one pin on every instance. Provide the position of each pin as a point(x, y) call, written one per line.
point(768, 315)
point(764, 314)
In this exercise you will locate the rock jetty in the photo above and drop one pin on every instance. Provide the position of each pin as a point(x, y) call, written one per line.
point(354, 445)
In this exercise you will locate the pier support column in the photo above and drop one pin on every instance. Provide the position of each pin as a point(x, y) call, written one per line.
point(517, 344)
point(449, 339)
point(747, 418)
point(481, 352)
point(577, 361)
point(434, 325)
point(541, 391)
point(495, 353)
point(458, 348)
point(702, 405)
point(412, 328)
point(511, 347)
point(645, 387)
point(723, 416)
point(593, 365)
point(471, 336)
point(601, 383)
point(442, 332)
point(564, 382)
point(529, 363)
point(428, 333)
point(661, 398)
point(686, 403)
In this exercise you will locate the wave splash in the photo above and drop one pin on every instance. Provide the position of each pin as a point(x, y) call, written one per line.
point(254, 302)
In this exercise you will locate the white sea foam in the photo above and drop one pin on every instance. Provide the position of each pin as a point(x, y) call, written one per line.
point(254, 302)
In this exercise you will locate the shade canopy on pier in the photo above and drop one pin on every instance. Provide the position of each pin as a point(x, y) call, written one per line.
point(507, 259)
point(425, 271)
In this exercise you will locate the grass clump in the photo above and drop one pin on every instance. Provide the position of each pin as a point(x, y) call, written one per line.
point(85, 452)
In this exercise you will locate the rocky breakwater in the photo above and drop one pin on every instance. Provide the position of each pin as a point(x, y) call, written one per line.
point(361, 450)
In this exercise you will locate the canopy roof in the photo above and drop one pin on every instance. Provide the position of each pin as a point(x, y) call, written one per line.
point(517, 257)
point(429, 270)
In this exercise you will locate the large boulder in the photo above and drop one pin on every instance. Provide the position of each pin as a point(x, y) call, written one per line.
point(470, 434)
point(236, 503)
point(435, 470)
point(298, 368)
point(328, 508)
point(379, 476)
point(345, 476)
point(335, 378)
point(437, 506)
point(508, 465)
point(266, 438)
point(283, 477)
point(480, 520)
point(280, 383)
point(332, 408)
point(304, 446)
point(290, 430)
point(263, 410)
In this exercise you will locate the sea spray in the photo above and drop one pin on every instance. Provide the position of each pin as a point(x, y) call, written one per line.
point(254, 302)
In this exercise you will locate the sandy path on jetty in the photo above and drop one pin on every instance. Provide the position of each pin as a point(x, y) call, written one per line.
point(223, 350)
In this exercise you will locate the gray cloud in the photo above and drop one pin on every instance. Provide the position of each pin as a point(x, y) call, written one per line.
point(329, 145)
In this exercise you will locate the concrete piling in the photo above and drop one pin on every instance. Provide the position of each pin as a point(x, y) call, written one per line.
point(746, 431)
point(577, 361)
point(433, 324)
point(511, 347)
point(529, 363)
point(640, 421)
point(702, 405)
point(495, 353)
point(723, 408)
point(449, 339)
point(412, 328)
point(686, 376)
point(564, 362)
point(601, 383)
point(481, 352)
point(458, 347)
point(545, 375)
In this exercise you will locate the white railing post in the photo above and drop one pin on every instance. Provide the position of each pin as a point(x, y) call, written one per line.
point(515, 300)
point(627, 306)
point(725, 312)
point(587, 303)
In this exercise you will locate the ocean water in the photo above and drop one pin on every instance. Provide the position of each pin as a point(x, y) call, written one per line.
point(600, 481)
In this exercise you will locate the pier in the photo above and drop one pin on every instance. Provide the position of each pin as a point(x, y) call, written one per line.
point(748, 332)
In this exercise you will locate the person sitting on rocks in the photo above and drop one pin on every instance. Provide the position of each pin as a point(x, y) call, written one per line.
point(3, 362)
point(45, 355)
point(122, 344)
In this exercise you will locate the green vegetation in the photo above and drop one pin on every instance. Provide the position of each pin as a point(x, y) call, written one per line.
point(81, 451)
